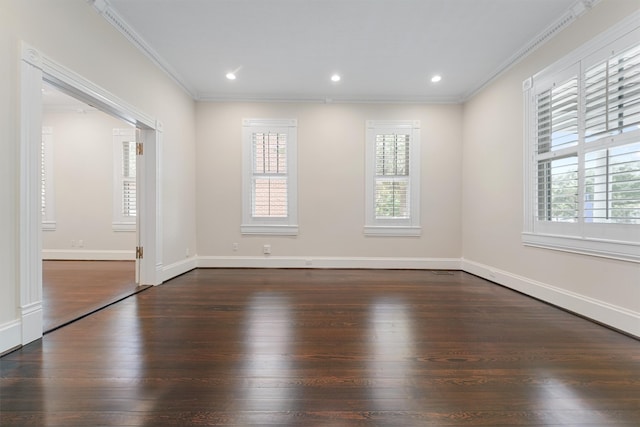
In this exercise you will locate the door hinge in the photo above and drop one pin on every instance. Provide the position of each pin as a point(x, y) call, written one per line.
point(139, 149)
point(139, 252)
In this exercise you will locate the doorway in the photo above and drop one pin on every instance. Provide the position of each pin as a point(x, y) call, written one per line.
point(88, 208)
point(36, 68)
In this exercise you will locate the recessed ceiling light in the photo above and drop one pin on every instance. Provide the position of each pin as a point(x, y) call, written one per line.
point(436, 78)
point(335, 78)
point(231, 76)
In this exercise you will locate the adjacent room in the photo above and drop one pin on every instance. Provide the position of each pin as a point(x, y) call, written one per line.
point(88, 209)
point(320, 212)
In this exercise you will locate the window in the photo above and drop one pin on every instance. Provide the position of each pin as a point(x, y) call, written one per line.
point(124, 182)
point(392, 178)
point(583, 150)
point(269, 176)
point(46, 175)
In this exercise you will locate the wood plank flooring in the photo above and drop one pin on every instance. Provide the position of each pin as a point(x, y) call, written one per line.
point(325, 348)
point(72, 289)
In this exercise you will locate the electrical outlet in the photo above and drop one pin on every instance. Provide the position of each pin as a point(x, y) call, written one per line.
point(186, 253)
point(81, 243)
point(266, 249)
point(235, 247)
point(73, 243)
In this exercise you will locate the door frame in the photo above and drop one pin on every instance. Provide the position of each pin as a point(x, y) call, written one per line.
point(34, 69)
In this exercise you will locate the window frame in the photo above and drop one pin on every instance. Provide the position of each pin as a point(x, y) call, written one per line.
point(287, 225)
point(121, 222)
point(609, 240)
point(392, 227)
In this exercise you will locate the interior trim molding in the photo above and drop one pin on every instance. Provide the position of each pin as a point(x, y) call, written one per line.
point(563, 21)
point(111, 16)
point(618, 250)
point(617, 317)
point(88, 255)
point(178, 268)
point(211, 97)
point(31, 323)
point(29, 248)
point(10, 336)
point(329, 262)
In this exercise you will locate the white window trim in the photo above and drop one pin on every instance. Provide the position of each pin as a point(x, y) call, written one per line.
point(287, 226)
point(614, 241)
point(120, 222)
point(393, 227)
point(49, 216)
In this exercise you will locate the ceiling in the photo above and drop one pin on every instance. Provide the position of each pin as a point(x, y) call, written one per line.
point(384, 50)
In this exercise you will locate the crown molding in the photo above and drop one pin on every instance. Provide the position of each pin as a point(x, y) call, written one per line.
point(574, 12)
point(566, 19)
point(107, 12)
point(323, 100)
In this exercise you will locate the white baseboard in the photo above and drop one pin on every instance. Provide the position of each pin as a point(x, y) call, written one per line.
point(88, 255)
point(32, 322)
point(600, 311)
point(177, 268)
point(329, 262)
point(10, 335)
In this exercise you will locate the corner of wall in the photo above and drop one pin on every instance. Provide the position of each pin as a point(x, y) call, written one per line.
point(599, 311)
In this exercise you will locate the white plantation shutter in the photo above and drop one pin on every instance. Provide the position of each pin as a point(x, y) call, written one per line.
point(556, 151)
point(269, 176)
point(129, 178)
point(612, 95)
point(43, 179)
point(269, 181)
point(612, 136)
point(558, 116)
point(612, 185)
point(583, 168)
point(393, 178)
point(125, 207)
point(558, 189)
point(47, 196)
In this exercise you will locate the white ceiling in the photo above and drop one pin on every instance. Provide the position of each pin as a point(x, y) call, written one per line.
point(385, 50)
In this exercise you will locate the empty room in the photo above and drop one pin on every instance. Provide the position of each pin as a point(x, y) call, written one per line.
point(342, 212)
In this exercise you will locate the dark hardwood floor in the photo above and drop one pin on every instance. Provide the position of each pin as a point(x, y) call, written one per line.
point(72, 289)
point(325, 348)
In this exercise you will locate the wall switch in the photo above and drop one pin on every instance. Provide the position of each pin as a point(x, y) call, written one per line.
point(266, 249)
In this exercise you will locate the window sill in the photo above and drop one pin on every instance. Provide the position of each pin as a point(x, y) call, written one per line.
point(123, 226)
point(392, 231)
point(273, 230)
point(619, 250)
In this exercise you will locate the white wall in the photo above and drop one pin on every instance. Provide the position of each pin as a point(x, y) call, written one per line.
point(8, 182)
point(72, 33)
point(493, 202)
point(83, 172)
point(331, 153)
